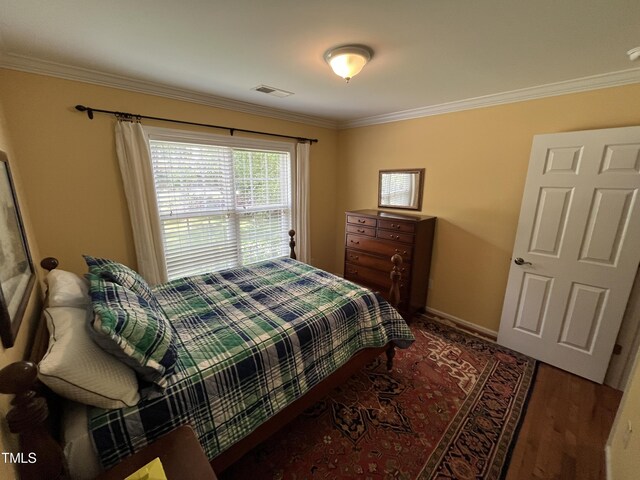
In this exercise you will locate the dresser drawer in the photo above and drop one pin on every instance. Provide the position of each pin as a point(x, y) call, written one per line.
point(369, 222)
point(376, 279)
point(395, 236)
point(379, 263)
point(397, 226)
point(369, 231)
point(375, 245)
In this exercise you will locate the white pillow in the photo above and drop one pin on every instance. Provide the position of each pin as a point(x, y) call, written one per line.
point(76, 368)
point(66, 289)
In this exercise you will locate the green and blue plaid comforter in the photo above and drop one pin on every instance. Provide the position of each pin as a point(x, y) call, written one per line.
point(251, 341)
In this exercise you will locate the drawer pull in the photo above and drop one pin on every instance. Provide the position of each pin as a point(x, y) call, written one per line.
point(395, 237)
point(360, 220)
point(357, 243)
point(397, 250)
point(353, 271)
point(361, 230)
point(393, 225)
point(354, 257)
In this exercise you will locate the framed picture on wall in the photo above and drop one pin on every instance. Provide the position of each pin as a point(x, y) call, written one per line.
point(16, 269)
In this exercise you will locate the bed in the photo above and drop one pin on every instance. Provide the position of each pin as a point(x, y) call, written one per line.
point(255, 347)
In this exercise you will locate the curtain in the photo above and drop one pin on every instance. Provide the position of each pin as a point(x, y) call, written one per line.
point(301, 224)
point(134, 157)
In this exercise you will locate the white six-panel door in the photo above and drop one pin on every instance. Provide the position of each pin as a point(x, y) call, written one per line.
point(577, 249)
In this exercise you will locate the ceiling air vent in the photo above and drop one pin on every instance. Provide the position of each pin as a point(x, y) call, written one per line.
point(276, 92)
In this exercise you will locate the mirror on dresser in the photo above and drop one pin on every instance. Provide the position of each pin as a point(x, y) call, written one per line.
point(401, 188)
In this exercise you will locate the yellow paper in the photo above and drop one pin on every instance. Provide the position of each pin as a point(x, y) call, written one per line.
point(151, 471)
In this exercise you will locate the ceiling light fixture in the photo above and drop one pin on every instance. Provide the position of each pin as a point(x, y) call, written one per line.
point(348, 60)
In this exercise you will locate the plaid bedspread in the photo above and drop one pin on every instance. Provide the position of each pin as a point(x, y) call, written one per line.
point(251, 341)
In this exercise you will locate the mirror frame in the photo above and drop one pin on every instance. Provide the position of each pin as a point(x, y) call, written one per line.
point(419, 171)
point(13, 234)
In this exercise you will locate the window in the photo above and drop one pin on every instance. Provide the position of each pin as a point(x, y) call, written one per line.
point(223, 202)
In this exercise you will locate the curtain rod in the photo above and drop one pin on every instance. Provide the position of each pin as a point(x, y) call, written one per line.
point(90, 111)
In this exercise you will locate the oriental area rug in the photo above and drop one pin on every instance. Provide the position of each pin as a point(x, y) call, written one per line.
point(451, 408)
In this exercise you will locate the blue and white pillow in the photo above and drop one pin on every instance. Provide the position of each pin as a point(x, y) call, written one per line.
point(132, 329)
point(120, 274)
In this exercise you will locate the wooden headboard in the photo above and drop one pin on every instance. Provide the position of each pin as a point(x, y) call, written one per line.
point(35, 412)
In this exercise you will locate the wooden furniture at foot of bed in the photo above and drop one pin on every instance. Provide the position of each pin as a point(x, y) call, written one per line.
point(35, 414)
point(179, 452)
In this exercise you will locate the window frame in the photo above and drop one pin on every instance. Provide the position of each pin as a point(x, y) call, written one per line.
point(247, 143)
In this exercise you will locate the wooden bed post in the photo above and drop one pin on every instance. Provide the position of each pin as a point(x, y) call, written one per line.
point(394, 299)
point(394, 292)
point(49, 263)
point(292, 244)
point(390, 352)
point(33, 412)
point(40, 455)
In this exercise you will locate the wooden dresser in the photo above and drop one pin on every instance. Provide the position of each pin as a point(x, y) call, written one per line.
point(372, 237)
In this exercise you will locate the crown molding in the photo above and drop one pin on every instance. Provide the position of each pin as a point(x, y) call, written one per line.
point(67, 72)
point(53, 69)
point(594, 82)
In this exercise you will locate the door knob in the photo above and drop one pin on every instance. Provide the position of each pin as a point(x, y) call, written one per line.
point(520, 261)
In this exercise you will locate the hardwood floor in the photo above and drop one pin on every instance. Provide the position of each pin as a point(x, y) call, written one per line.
point(565, 428)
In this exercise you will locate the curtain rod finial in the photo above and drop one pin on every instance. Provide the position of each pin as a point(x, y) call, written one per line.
point(82, 108)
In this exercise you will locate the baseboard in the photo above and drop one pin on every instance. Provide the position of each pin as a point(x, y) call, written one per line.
point(464, 324)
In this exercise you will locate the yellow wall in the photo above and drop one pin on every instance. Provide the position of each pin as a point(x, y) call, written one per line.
point(74, 186)
point(8, 442)
point(476, 163)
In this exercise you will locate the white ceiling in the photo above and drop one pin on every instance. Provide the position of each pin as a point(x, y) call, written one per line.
point(427, 52)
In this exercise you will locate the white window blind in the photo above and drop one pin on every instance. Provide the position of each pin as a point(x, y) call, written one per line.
point(220, 206)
